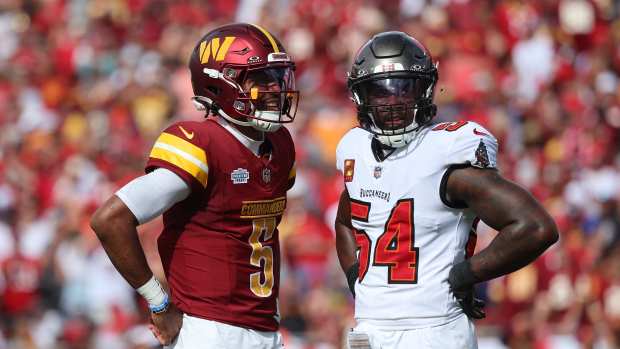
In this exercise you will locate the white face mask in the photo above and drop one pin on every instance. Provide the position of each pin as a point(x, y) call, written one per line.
point(396, 141)
point(263, 125)
point(395, 138)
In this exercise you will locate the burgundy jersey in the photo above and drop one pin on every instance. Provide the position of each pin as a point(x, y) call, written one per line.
point(219, 247)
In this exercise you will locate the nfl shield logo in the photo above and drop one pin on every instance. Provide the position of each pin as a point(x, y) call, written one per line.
point(266, 175)
point(377, 172)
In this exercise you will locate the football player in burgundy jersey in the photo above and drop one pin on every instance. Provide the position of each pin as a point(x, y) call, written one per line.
point(414, 193)
point(221, 185)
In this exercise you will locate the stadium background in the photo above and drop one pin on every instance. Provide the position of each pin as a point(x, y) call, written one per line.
point(86, 86)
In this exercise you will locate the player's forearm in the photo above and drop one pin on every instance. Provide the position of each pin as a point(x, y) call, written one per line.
point(345, 240)
point(525, 229)
point(514, 247)
point(115, 227)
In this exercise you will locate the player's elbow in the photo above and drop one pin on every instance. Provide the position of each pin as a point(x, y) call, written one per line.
point(112, 216)
point(100, 220)
point(545, 233)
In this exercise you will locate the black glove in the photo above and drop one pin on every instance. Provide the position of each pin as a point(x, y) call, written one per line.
point(461, 281)
point(472, 306)
point(352, 274)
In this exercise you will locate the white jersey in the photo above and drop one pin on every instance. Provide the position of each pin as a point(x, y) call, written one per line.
point(408, 234)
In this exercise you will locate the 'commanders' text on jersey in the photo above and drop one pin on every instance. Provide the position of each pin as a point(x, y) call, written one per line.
point(408, 234)
point(219, 247)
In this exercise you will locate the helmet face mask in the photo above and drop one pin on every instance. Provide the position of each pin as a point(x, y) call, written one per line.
point(242, 73)
point(393, 101)
point(269, 97)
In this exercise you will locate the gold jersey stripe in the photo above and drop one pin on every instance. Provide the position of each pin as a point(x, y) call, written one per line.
point(269, 37)
point(180, 162)
point(183, 145)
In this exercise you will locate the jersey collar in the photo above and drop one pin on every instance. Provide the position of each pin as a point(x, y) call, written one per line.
point(249, 143)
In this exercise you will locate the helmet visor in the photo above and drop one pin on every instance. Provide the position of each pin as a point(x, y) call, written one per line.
point(273, 90)
point(393, 101)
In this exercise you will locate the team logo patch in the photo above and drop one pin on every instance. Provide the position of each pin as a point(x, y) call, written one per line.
point(266, 175)
point(240, 176)
point(377, 172)
point(214, 48)
point(349, 170)
point(482, 156)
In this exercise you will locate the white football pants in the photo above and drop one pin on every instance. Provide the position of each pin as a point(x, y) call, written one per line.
point(458, 334)
point(208, 334)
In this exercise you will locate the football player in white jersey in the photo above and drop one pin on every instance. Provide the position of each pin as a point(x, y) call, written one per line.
point(405, 228)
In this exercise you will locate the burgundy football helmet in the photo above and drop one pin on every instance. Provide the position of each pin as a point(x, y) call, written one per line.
point(242, 73)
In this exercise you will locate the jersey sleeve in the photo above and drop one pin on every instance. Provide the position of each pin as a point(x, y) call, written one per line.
point(178, 149)
point(345, 154)
point(152, 194)
point(475, 146)
point(340, 151)
point(292, 174)
point(339, 157)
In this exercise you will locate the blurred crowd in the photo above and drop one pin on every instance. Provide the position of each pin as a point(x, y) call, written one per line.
point(86, 87)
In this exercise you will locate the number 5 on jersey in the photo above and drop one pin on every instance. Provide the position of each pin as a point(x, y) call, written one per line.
point(262, 227)
point(394, 248)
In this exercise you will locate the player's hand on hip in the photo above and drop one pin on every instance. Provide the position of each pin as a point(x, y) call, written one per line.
point(167, 324)
point(461, 281)
point(472, 306)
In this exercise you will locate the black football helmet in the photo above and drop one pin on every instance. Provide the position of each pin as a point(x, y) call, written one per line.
point(392, 81)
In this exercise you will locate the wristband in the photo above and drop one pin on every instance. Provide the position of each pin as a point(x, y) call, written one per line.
point(154, 294)
point(461, 276)
point(157, 309)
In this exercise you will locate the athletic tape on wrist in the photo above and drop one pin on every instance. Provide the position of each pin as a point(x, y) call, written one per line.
point(153, 293)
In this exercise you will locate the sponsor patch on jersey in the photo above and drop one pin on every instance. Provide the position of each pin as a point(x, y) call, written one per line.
point(349, 169)
point(263, 208)
point(482, 156)
point(240, 176)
